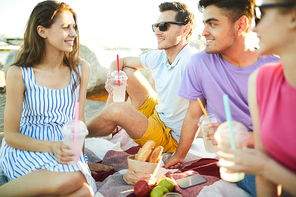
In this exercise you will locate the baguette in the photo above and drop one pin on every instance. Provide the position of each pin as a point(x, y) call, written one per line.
point(156, 154)
point(145, 151)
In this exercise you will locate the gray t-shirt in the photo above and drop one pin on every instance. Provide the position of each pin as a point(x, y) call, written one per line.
point(171, 107)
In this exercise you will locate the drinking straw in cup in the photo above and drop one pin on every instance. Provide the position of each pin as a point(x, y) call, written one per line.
point(223, 138)
point(203, 109)
point(208, 132)
point(119, 85)
point(69, 135)
point(229, 120)
point(234, 135)
point(76, 146)
point(76, 120)
point(118, 70)
point(74, 132)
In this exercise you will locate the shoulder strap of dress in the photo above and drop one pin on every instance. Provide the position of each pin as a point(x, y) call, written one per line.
point(28, 74)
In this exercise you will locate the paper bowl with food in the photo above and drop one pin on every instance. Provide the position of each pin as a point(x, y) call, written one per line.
point(144, 165)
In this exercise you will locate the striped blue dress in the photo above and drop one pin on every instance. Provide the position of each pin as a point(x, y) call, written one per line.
point(44, 113)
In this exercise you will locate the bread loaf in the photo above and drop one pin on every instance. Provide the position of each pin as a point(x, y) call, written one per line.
point(145, 151)
point(156, 154)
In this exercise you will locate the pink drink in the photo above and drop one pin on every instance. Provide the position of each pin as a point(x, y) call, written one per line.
point(76, 145)
point(241, 137)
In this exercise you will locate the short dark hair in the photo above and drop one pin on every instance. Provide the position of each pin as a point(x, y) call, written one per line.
point(183, 14)
point(234, 8)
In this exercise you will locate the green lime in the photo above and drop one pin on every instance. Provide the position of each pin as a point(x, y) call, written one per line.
point(167, 183)
point(159, 191)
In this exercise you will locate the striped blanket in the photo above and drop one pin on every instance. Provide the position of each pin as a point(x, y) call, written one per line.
point(114, 152)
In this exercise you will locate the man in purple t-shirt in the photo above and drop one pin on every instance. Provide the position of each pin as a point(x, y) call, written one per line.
point(223, 68)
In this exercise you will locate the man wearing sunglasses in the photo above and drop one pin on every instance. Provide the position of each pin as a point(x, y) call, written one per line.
point(152, 116)
point(222, 68)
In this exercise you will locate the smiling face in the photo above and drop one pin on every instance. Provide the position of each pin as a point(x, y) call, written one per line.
point(173, 35)
point(272, 30)
point(60, 36)
point(219, 31)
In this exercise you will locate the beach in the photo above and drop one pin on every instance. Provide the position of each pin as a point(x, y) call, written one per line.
point(91, 108)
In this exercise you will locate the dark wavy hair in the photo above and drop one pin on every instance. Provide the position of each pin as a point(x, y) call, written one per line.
point(234, 9)
point(183, 14)
point(33, 50)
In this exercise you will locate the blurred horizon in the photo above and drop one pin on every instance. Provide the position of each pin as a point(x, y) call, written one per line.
point(111, 24)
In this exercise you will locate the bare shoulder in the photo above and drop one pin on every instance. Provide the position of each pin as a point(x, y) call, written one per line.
point(85, 68)
point(14, 78)
point(85, 65)
point(14, 72)
point(253, 77)
point(252, 97)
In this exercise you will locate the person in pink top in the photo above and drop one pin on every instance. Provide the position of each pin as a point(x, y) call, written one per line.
point(272, 96)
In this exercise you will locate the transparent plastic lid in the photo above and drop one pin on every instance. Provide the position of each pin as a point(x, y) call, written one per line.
point(240, 134)
point(204, 121)
point(122, 74)
point(69, 128)
point(237, 127)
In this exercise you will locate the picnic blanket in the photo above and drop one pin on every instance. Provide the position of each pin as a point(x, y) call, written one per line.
point(114, 152)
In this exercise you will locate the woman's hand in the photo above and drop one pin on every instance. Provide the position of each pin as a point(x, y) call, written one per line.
point(246, 160)
point(62, 152)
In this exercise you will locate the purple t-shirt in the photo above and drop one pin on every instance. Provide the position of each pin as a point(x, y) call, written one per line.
point(209, 76)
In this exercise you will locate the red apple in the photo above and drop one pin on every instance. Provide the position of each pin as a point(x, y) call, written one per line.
point(142, 189)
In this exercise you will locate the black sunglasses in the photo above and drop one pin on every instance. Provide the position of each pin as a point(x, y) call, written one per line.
point(258, 9)
point(163, 26)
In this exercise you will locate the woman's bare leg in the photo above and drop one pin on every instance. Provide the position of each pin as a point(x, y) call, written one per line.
point(46, 183)
point(84, 191)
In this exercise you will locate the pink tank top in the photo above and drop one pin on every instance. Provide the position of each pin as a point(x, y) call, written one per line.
point(277, 111)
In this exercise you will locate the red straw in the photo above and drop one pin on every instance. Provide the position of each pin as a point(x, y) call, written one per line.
point(76, 121)
point(118, 69)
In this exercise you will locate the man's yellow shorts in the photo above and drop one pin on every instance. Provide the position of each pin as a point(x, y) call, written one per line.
point(156, 129)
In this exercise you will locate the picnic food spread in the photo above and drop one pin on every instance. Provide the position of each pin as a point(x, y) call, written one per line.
point(164, 186)
point(142, 189)
point(149, 153)
point(156, 154)
point(145, 164)
point(145, 151)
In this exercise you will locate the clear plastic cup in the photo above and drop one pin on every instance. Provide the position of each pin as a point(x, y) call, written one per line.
point(241, 138)
point(118, 85)
point(69, 139)
point(207, 132)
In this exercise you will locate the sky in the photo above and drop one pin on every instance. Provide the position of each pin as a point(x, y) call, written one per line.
point(112, 23)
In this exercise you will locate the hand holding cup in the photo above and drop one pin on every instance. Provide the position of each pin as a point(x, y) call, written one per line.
point(208, 125)
point(228, 158)
point(108, 85)
point(247, 160)
point(118, 82)
point(74, 139)
point(58, 148)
